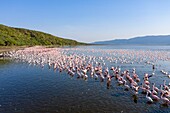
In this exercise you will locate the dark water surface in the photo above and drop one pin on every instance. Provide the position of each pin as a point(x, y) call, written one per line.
point(32, 89)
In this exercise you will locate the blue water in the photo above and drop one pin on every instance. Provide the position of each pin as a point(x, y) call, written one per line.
point(27, 88)
point(135, 47)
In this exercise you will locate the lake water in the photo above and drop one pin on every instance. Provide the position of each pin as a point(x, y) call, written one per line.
point(28, 88)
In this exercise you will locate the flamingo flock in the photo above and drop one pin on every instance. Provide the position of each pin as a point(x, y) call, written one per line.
point(103, 65)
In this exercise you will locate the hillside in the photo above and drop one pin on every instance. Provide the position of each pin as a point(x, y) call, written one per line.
point(145, 40)
point(10, 36)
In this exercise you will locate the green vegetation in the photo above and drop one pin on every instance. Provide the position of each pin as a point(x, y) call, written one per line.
point(10, 36)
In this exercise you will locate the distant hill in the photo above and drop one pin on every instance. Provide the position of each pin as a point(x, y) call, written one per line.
point(18, 36)
point(145, 40)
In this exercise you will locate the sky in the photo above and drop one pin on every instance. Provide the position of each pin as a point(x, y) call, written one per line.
point(89, 20)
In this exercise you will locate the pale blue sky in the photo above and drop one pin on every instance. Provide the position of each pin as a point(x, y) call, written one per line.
point(89, 20)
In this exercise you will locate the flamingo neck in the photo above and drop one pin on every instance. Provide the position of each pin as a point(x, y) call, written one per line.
point(161, 87)
point(147, 94)
point(164, 83)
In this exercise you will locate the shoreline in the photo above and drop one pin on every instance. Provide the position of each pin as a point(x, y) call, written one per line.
point(10, 48)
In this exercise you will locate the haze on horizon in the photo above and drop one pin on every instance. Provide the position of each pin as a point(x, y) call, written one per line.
point(89, 20)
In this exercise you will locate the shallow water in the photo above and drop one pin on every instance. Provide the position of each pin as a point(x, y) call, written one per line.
point(28, 88)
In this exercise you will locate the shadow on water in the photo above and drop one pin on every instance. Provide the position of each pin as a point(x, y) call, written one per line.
point(4, 61)
point(135, 98)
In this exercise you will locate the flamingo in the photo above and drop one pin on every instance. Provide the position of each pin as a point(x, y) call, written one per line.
point(165, 86)
point(101, 77)
point(146, 82)
point(81, 64)
point(165, 100)
point(79, 75)
point(154, 92)
point(108, 82)
point(133, 70)
point(149, 99)
point(155, 88)
point(95, 76)
point(85, 77)
point(161, 90)
point(126, 86)
point(144, 90)
point(120, 82)
point(167, 94)
point(137, 79)
point(155, 97)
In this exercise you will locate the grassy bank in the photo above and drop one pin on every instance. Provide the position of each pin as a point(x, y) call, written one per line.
point(10, 36)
